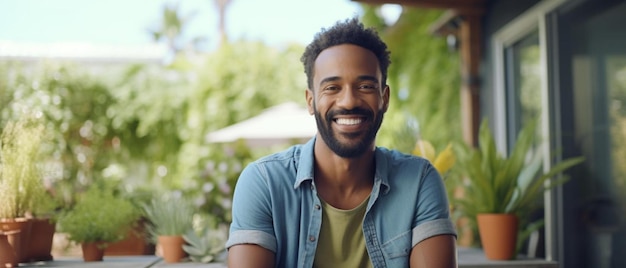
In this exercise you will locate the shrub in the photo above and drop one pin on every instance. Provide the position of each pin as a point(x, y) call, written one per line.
point(99, 216)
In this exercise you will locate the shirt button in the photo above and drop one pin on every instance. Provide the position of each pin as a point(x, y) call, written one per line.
point(317, 206)
point(312, 238)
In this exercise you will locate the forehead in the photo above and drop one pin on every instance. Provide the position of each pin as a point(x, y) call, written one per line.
point(346, 61)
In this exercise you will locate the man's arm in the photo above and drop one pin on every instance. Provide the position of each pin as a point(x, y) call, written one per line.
point(435, 252)
point(250, 255)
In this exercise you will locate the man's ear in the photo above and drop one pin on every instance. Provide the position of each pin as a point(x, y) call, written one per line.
point(309, 100)
point(386, 98)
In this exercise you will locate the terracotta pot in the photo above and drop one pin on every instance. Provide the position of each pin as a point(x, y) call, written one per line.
point(19, 243)
point(8, 255)
point(92, 251)
point(171, 247)
point(498, 235)
point(135, 243)
point(40, 242)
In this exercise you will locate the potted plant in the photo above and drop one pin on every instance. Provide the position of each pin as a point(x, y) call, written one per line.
point(21, 187)
point(505, 187)
point(8, 257)
point(206, 242)
point(137, 240)
point(42, 229)
point(170, 218)
point(98, 218)
point(205, 245)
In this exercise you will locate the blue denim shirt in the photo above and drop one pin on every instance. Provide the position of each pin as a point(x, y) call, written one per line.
point(276, 206)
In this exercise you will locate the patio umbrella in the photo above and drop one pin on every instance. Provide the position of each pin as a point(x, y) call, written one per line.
point(280, 124)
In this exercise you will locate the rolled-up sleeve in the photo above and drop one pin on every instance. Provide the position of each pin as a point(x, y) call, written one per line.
point(433, 217)
point(252, 211)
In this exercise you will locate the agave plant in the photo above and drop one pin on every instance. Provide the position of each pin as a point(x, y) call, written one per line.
point(501, 184)
point(206, 245)
point(169, 215)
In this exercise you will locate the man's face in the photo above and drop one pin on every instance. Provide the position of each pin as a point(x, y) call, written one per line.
point(348, 99)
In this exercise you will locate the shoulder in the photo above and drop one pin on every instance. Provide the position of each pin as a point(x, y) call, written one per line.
point(290, 154)
point(274, 168)
point(396, 159)
point(398, 169)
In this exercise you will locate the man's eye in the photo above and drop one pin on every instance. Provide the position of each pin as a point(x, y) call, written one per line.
point(331, 88)
point(367, 86)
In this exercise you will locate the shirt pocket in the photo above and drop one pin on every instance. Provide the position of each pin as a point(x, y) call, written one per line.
point(398, 247)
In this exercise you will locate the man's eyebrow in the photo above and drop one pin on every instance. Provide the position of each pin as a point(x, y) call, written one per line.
point(329, 79)
point(360, 78)
point(368, 78)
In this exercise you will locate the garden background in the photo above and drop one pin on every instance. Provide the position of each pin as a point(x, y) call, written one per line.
point(141, 128)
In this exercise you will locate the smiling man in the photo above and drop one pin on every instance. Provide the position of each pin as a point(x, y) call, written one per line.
point(339, 200)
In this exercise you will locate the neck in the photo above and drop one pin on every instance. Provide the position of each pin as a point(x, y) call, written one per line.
point(343, 182)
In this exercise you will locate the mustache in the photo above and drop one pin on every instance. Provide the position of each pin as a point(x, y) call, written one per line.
point(356, 111)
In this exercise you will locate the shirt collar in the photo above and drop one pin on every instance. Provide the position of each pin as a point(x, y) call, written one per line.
point(305, 164)
point(382, 169)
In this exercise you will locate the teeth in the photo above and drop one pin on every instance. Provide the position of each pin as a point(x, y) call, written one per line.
point(349, 121)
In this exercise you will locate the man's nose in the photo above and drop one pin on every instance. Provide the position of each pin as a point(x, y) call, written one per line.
point(348, 98)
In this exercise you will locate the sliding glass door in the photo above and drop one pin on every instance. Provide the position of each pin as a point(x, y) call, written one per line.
point(591, 52)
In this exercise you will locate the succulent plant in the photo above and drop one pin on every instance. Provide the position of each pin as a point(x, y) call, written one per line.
point(205, 246)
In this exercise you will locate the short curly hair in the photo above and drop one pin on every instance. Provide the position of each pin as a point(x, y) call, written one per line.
point(350, 31)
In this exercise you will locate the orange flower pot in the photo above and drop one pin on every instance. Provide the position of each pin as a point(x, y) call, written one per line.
point(20, 241)
point(92, 251)
point(8, 254)
point(498, 235)
point(171, 247)
point(40, 242)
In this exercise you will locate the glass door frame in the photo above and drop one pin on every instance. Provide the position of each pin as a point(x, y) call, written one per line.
point(533, 20)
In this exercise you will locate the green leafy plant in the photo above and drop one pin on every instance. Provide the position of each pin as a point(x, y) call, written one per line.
point(499, 184)
point(99, 216)
point(206, 245)
point(506, 184)
point(169, 215)
point(21, 186)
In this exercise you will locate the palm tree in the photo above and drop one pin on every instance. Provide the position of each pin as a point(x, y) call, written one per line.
point(221, 9)
point(171, 27)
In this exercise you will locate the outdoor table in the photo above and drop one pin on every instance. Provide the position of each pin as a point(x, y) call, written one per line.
point(468, 258)
point(120, 262)
point(475, 258)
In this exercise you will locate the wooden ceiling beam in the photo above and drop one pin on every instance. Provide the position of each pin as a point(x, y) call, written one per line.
point(445, 25)
point(463, 19)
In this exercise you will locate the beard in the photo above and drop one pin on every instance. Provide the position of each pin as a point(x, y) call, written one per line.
point(362, 142)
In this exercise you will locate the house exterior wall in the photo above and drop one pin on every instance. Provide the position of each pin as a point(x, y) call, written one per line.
point(499, 13)
point(585, 58)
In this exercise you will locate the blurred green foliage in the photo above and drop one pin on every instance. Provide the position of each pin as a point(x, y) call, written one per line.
point(99, 216)
point(143, 127)
point(424, 80)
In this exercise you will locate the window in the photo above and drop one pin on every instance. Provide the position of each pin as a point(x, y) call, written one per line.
point(523, 85)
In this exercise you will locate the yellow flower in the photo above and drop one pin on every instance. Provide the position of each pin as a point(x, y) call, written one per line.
point(424, 149)
point(442, 161)
point(445, 160)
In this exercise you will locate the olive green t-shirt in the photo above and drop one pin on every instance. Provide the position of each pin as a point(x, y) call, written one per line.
point(341, 242)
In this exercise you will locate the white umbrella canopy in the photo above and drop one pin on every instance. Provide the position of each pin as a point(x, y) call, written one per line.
point(279, 124)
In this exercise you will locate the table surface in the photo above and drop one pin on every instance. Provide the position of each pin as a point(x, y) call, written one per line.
point(468, 258)
point(119, 262)
point(475, 257)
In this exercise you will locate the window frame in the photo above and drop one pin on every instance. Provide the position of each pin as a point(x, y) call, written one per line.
point(534, 19)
